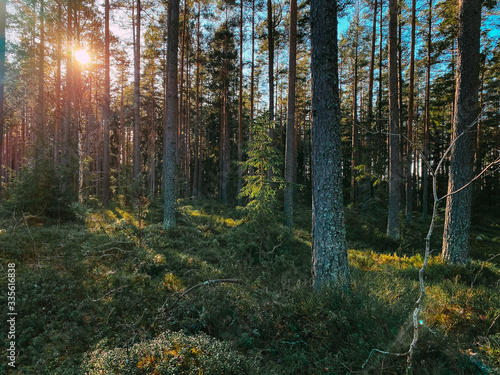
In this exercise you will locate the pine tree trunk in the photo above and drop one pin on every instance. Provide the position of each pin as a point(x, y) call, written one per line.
point(290, 156)
point(41, 139)
point(240, 109)
point(137, 97)
point(427, 119)
point(106, 109)
point(330, 264)
point(57, 130)
point(187, 127)
point(456, 241)
point(180, 143)
point(395, 173)
point(171, 114)
point(409, 146)
point(152, 143)
point(197, 153)
point(354, 135)
point(372, 64)
point(270, 45)
point(3, 17)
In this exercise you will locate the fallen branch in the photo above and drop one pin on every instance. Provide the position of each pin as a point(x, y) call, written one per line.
point(208, 282)
point(107, 294)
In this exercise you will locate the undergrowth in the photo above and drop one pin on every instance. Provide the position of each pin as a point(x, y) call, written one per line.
point(105, 295)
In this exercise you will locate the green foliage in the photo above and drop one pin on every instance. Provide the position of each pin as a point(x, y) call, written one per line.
point(170, 353)
point(262, 186)
point(39, 191)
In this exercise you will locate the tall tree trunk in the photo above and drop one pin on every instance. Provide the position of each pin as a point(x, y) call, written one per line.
point(330, 264)
point(137, 97)
point(180, 143)
point(3, 17)
point(270, 44)
point(171, 114)
point(252, 81)
point(41, 139)
point(409, 146)
point(427, 118)
point(57, 130)
point(456, 245)
point(290, 156)
point(106, 109)
point(240, 109)
point(197, 153)
point(395, 172)
point(379, 126)
point(67, 146)
point(152, 143)
point(187, 127)
point(355, 137)
point(372, 64)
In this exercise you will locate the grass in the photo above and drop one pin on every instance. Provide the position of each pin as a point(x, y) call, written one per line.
point(98, 292)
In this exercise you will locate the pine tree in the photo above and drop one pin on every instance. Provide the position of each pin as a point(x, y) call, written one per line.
point(330, 264)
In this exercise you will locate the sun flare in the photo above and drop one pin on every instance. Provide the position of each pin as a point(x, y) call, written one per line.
point(82, 56)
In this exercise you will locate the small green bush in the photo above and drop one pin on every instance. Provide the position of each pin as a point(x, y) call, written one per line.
point(170, 353)
point(40, 191)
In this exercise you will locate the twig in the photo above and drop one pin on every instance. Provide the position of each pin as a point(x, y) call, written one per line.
point(481, 269)
point(208, 282)
point(107, 294)
point(493, 323)
point(382, 352)
point(497, 161)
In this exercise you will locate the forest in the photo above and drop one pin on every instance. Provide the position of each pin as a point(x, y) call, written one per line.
point(250, 187)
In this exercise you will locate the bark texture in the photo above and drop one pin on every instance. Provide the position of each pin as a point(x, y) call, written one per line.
point(137, 95)
point(171, 115)
point(290, 159)
point(456, 244)
point(330, 264)
point(106, 109)
point(3, 16)
point(395, 172)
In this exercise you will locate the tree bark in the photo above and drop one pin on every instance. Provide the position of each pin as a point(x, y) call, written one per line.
point(427, 118)
point(270, 44)
point(106, 109)
point(41, 138)
point(409, 146)
point(3, 17)
point(394, 135)
point(456, 241)
point(57, 130)
point(372, 64)
point(240, 109)
point(290, 156)
point(197, 153)
point(354, 128)
point(137, 96)
point(171, 115)
point(330, 264)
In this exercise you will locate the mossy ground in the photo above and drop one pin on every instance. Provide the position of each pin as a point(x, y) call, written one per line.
point(103, 288)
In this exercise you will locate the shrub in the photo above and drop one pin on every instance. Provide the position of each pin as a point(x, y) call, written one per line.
point(40, 191)
point(169, 354)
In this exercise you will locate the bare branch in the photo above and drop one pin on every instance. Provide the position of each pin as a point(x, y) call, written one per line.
point(208, 282)
point(497, 161)
point(107, 294)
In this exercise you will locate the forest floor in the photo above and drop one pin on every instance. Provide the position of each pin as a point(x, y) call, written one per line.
point(109, 293)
